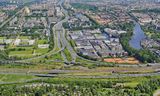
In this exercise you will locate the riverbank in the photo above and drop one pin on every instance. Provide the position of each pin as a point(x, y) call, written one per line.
point(143, 55)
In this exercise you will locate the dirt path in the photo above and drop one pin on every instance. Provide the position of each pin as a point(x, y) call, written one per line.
point(157, 93)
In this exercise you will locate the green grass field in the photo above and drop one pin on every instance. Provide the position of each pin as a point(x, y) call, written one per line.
point(28, 52)
point(56, 57)
point(42, 41)
point(41, 51)
point(2, 37)
point(15, 78)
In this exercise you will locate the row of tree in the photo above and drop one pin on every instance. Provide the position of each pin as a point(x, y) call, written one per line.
point(79, 88)
point(51, 39)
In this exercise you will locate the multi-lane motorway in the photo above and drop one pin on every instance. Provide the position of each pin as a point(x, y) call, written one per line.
point(62, 32)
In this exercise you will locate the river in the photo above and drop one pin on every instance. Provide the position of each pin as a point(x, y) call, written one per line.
point(138, 35)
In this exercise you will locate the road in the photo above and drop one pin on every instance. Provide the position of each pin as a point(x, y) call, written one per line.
point(114, 75)
point(60, 44)
point(157, 93)
point(63, 32)
point(63, 74)
point(60, 41)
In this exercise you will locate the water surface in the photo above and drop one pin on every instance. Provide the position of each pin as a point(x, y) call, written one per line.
point(138, 36)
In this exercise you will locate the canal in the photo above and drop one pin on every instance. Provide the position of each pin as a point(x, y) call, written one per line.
point(138, 36)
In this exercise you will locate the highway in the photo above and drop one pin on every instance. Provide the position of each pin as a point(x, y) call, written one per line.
point(69, 47)
point(61, 35)
point(60, 44)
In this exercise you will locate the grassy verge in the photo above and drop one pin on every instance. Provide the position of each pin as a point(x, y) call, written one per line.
point(15, 77)
point(68, 54)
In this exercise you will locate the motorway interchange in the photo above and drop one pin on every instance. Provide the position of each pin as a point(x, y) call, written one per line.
point(61, 43)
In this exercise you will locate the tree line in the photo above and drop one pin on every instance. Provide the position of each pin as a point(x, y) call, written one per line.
point(84, 87)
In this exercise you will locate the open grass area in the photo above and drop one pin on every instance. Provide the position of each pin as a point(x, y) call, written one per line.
point(15, 78)
point(56, 57)
point(131, 84)
point(41, 51)
point(42, 67)
point(23, 52)
point(42, 42)
point(52, 59)
point(2, 37)
point(26, 52)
